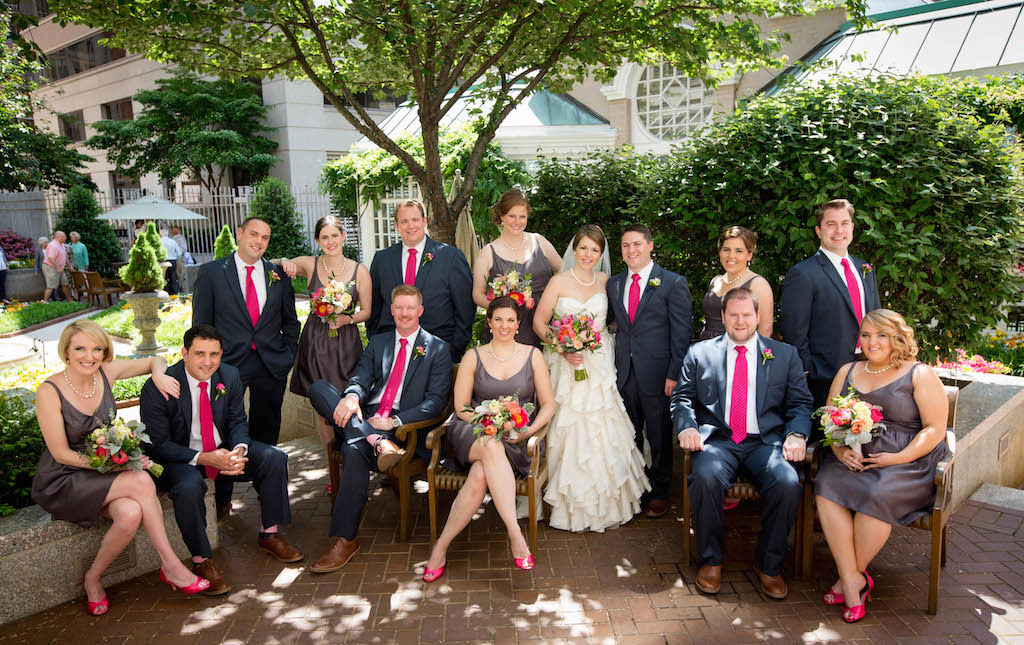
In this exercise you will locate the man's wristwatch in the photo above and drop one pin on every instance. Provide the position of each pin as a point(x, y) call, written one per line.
point(796, 434)
point(396, 422)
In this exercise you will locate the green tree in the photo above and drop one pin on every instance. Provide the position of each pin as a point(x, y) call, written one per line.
point(272, 201)
point(80, 213)
point(143, 272)
point(194, 126)
point(437, 52)
point(153, 241)
point(225, 243)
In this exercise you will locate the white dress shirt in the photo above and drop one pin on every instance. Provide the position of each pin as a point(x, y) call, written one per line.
point(257, 277)
point(730, 367)
point(410, 347)
point(3, 261)
point(645, 276)
point(419, 256)
point(172, 248)
point(195, 435)
point(837, 263)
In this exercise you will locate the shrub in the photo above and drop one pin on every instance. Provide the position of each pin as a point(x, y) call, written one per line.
point(272, 201)
point(16, 247)
point(21, 444)
point(225, 244)
point(80, 213)
point(153, 240)
point(143, 273)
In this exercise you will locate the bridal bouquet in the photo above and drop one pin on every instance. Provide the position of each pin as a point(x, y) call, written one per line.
point(850, 422)
point(514, 285)
point(331, 300)
point(501, 417)
point(575, 333)
point(119, 443)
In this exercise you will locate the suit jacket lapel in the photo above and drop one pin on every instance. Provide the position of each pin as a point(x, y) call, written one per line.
point(830, 272)
point(722, 377)
point(397, 270)
point(387, 359)
point(267, 269)
point(761, 385)
point(414, 362)
point(185, 403)
point(234, 286)
point(423, 268)
point(656, 272)
point(618, 284)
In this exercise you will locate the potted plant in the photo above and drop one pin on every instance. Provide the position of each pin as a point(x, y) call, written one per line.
point(145, 278)
point(225, 244)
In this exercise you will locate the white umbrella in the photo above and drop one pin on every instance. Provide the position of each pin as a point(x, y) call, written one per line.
point(151, 208)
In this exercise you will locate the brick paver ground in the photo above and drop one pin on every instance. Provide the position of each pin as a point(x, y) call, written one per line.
point(622, 586)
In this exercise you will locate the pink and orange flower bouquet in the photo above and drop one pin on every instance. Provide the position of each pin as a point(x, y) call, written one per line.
point(500, 418)
point(575, 333)
point(119, 443)
point(850, 421)
point(332, 300)
point(512, 284)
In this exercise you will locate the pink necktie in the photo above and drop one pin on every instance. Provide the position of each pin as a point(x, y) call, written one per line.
point(634, 296)
point(387, 401)
point(738, 405)
point(252, 301)
point(851, 286)
point(206, 426)
point(410, 268)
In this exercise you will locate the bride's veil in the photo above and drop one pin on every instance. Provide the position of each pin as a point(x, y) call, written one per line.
point(604, 264)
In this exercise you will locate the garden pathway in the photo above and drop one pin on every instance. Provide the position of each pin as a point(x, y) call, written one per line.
point(622, 586)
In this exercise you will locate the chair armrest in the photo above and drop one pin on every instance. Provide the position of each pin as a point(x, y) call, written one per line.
point(434, 439)
point(404, 430)
point(943, 483)
point(533, 450)
point(813, 458)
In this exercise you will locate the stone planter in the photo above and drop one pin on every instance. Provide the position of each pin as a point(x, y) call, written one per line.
point(145, 310)
point(24, 285)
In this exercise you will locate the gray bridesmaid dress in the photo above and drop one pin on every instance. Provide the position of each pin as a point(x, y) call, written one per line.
point(896, 494)
point(67, 492)
point(537, 267)
point(460, 437)
point(712, 307)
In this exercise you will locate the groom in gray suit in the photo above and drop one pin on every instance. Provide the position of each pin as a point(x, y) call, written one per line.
point(742, 405)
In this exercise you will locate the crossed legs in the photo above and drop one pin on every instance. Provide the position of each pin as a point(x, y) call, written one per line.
point(854, 539)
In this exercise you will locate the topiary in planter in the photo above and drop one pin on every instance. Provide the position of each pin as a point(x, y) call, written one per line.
point(142, 273)
point(225, 244)
point(153, 238)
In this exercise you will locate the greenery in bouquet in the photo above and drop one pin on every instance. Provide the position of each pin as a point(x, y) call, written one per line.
point(574, 333)
point(514, 285)
point(500, 418)
point(225, 244)
point(849, 421)
point(119, 445)
point(332, 300)
point(143, 274)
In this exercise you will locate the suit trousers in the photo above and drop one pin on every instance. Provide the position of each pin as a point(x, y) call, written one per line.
point(267, 469)
point(777, 482)
point(650, 412)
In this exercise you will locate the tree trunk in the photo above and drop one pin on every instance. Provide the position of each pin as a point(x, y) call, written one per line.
point(441, 219)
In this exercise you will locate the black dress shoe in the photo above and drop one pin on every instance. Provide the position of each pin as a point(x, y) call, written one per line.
point(223, 512)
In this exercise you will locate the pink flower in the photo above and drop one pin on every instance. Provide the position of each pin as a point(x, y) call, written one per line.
point(120, 458)
point(876, 415)
point(100, 440)
point(102, 452)
point(841, 417)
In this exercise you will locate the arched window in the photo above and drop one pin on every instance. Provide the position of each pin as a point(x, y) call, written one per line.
point(669, 104)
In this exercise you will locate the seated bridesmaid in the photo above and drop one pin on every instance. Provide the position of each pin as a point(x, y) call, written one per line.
point(65, 484)
point(861, 498)
point(736, 246)
point(502, 367)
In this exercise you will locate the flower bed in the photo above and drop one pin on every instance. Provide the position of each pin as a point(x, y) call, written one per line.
point(19, 315)
point(998, 352)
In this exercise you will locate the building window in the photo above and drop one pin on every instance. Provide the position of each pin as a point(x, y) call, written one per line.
point(125, 188)
point(80, 57)
point(118, 110)
point(669, 104)
point(34, 8)
point(72, 125)
point(376, 100)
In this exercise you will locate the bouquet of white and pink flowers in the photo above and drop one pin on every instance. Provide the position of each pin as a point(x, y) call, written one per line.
point(515, 286)
point(575, 333)
point(850, 422)
point(332, 300)
point(502, 417)
point(119, 443)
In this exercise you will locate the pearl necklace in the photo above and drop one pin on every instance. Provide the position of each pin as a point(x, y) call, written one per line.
point(341, 269)
point(867, 368)
point(75, 389)
point(514, 249)
point(726, 280)
point(515, 350)
point(585, 284)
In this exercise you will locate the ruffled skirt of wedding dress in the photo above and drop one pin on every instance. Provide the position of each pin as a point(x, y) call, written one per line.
point(595, 472)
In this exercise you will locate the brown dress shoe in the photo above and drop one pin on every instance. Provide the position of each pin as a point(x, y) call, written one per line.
point(709, 578)
point(223, 512)
point(278, 547)
point(772, 586)
point(337, 556)
point(207, 569)
point(655, 508)
point(388, 454)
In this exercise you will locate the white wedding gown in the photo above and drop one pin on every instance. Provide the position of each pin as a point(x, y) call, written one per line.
point(595, 471)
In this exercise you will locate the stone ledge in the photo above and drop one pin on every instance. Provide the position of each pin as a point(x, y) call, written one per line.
point(41, 558)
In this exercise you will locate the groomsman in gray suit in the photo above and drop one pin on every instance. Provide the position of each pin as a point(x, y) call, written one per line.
point(742, 405)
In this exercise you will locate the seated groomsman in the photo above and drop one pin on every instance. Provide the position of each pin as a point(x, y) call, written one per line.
point(404, 376)
point(204, 433)
point(742, 405)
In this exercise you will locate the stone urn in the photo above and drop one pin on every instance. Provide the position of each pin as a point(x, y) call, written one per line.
point(146, 313)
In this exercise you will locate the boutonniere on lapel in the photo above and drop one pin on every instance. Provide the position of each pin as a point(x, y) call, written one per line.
point(428, 258)
point(766, 356)
point(273, 277)
point(866, 268)
point(654, 283)
point(419, 352)
point(219, 391)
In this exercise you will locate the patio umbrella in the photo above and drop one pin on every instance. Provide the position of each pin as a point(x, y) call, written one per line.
point(151, 208)
point(465, 235)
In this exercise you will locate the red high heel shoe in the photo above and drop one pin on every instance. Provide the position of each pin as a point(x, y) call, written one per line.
point(524, 563)
point(853, 614)
point(430, 575)
point(201, 584)
point(97, 608)
point(837, 598)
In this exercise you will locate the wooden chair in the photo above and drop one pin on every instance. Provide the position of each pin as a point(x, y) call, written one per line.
point(80, 284)
point(96, 288)
point(440, 478)
point(935, 522)
point(403, 472)
point(743, 489)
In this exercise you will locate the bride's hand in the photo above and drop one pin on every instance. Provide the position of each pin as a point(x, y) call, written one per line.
point(575, 359)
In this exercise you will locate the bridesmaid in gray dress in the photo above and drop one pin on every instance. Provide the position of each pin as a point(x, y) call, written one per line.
point(66, 485)
point(861, 498)
point(500, 368)
point(736, 246)
point(528, 253)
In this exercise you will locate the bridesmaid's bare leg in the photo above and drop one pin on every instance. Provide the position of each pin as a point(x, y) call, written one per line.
point(837, 524)
point(326, 431)
point(466, 504)
point(502, 484)
point(869, 536)
point(126, 515)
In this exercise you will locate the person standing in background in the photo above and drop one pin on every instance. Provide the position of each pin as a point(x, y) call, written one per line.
point(79, 252)
point(173, 255)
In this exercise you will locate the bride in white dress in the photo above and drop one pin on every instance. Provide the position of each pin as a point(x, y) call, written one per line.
point(595, 471)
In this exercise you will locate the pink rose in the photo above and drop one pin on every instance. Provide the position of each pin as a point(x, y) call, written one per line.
point(841, 417)
point(876, 415)
point(100, 440)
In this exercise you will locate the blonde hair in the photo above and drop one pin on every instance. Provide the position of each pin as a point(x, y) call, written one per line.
point(90, 329)
point(406, 290)
point(901, 335)
point(411, 202)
